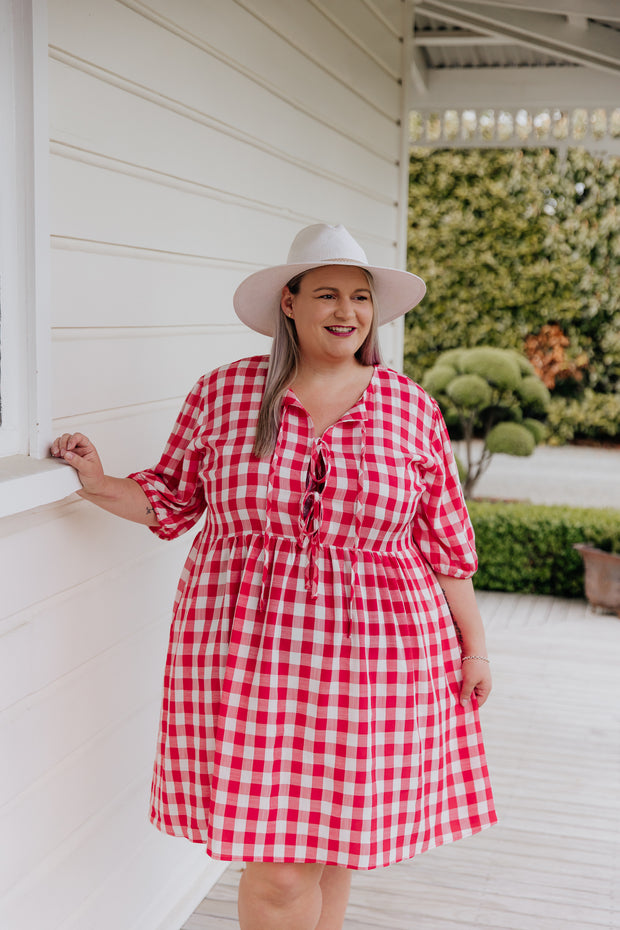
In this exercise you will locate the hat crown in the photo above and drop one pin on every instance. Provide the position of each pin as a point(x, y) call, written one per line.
point(322, 243)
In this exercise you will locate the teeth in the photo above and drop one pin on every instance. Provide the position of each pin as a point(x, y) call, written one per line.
point(340, 329)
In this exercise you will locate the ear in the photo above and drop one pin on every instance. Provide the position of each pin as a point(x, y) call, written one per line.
point(286, 301)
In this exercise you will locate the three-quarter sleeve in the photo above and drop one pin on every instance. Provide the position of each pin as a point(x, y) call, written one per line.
point(173, 486)
point(441, 527)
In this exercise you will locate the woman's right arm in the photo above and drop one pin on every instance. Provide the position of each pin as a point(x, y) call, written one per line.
point(121, 496)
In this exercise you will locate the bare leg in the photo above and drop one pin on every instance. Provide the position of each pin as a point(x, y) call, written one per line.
point(335, 887)
point(280, 896)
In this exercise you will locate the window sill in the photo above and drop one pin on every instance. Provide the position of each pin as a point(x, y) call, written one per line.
point(26, 483)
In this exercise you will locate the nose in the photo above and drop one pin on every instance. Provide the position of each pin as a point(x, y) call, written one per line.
point(345, 309)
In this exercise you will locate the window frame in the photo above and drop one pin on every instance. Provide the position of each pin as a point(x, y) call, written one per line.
point(24, 231)
point(28, 477)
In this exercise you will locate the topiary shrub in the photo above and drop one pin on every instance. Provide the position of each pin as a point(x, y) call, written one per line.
point(470, 392)
point(510, 439)
point(536, 428)
point(497, 366)
point(525, 366)
point(439, 379)
point(492, 393)
point(450, 357)
point(534, 395)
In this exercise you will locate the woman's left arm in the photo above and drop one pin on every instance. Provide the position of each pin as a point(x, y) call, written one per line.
point(461, 600)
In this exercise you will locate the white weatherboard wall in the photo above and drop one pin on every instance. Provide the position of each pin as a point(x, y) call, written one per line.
point(190, 141)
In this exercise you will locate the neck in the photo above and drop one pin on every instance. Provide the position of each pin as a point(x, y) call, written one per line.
point(320, 370)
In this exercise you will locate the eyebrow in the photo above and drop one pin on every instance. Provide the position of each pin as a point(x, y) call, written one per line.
point(327, 287)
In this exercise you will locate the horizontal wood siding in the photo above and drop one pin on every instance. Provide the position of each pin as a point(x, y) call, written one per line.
point(189, 142)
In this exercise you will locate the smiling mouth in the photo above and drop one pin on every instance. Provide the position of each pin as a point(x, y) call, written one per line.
point(340, 330)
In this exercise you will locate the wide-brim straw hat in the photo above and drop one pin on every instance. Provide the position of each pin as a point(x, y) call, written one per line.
point(257, 299)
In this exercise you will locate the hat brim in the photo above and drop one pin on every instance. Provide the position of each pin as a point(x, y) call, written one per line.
point(257, 299)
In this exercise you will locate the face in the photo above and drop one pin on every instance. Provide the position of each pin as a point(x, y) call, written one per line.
point(332, 312)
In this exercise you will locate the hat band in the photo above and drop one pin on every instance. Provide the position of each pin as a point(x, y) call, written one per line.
point(342, 261)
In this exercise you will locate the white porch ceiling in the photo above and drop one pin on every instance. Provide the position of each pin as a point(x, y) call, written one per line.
point(511, 54)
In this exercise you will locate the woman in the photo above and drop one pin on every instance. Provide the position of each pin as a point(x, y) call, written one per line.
point(319, 715)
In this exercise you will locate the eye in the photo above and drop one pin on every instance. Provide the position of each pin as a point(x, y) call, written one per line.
point(326, 296)
point(362, 297)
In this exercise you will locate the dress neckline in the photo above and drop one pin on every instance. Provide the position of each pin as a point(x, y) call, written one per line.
point(357, 411)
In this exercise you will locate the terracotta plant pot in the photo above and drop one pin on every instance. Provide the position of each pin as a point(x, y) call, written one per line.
point(602, 578)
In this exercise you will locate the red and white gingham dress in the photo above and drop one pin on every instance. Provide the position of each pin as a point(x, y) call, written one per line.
point(311, 696)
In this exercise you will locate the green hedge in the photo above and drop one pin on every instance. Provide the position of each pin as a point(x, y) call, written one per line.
point(529, 548)
point(592, 416)
point(509, 240)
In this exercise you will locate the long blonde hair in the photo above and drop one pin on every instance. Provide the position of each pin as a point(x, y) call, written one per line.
point(284, 364)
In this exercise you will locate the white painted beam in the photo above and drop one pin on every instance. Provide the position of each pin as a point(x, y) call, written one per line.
point(598, 47)
point(606, 10)
point(448, 38)
point(508, 88)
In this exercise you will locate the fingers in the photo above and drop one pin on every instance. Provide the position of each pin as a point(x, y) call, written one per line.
point(69, 443)
point(476, 681)
point(481, 692)
point(79, 452)
point(466, 694)
point(59, 446)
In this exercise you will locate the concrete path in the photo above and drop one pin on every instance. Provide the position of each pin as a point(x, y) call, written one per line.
point(581, 476)
point(552, 731)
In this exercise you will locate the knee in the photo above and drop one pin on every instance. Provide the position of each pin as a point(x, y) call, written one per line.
point(282, 883)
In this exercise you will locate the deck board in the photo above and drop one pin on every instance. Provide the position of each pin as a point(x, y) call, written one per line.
point(552, 731)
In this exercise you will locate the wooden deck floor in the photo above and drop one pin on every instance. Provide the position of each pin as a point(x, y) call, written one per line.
point(552, 730)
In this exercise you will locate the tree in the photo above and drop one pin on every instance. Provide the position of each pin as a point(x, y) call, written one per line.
point(492, 393)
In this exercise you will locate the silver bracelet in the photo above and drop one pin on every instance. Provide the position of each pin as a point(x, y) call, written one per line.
point(483, 658)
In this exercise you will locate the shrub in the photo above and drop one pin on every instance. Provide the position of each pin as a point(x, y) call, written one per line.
point(529, 548)
point(511, 241)
point(546, 351)
point(536, 428)
point(498, 367)
point(534, 395)
point(469, 391)
point(439, 378)
point(594, 416)
point(525, 366)
point(479, 390)
point(511, 439)
point(451, 357)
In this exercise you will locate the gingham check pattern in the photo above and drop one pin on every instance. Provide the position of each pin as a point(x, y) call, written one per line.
point(310, 709)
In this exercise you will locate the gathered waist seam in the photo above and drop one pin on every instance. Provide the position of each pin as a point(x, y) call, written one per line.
point(295, 544)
